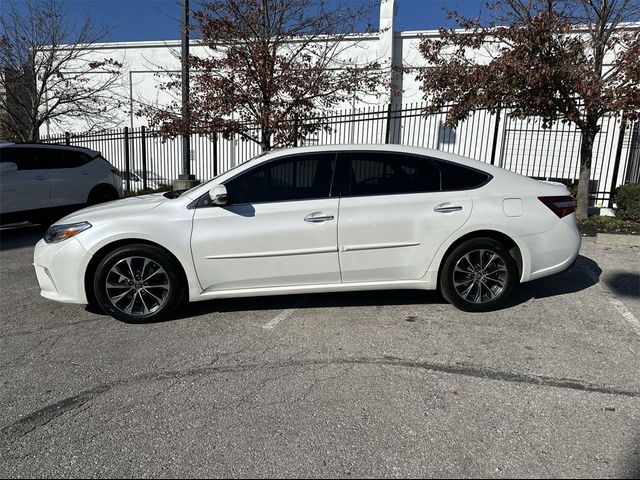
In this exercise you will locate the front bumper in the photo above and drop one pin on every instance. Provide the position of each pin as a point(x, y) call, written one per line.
point(60, 269)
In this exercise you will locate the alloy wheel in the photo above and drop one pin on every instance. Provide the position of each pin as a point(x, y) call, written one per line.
point(480, 276)
point(138, 286)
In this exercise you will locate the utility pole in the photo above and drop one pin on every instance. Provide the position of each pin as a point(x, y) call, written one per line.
point(185, 180)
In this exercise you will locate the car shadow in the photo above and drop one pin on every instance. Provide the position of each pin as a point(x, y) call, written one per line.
point(572, 281)
point(20, 235)
point(625, 284)
point(584, 274)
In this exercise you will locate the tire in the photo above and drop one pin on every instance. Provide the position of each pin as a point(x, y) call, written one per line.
point(101, 195)
point(478, 275)
point(145, 283)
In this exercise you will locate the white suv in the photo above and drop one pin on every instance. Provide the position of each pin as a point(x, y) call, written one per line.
point(41, 183)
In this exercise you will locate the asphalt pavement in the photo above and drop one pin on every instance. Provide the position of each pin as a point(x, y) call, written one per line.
point(372, 384)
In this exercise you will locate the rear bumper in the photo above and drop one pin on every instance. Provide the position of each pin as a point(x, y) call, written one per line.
point(550, 252)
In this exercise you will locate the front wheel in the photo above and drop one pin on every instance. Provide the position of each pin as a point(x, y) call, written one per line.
point(138, 283)
point(478, 275)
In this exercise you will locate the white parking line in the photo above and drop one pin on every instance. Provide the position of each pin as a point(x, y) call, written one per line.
point(271, 324)
point(631, 319)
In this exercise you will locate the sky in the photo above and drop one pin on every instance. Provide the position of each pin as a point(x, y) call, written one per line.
point(144, 20)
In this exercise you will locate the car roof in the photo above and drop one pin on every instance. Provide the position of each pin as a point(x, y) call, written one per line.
point(380, 147)
point(53, 146)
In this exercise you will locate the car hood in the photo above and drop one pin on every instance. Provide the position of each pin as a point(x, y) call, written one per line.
point(116, 208)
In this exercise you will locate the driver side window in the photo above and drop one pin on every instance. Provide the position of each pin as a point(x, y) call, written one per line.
point(298, 177)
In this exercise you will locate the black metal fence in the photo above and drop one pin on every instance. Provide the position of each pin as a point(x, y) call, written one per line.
point(522, 146)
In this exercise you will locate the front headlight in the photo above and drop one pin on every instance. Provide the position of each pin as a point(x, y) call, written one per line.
point(58, 233)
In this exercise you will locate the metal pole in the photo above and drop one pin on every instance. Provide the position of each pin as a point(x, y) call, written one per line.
point(126, 158)
point(495, 138)
point(388, 132)
point(131, 98)
point(186, 138)
point(215, 154)
point(144, 158)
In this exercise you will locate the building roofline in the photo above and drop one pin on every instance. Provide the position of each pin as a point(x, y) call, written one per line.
point(431, 33)
point(197, 43)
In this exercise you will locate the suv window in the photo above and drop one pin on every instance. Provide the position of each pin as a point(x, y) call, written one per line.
point(457, 177)
point(26, 158)
point(384, 173)
point(60, 158)
point(298, 177)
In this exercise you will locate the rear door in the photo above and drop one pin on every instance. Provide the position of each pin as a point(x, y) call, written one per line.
point(26, 188)
point(393, 215)
point(72, 177)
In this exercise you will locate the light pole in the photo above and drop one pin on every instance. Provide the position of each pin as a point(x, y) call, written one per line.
point(185, 180)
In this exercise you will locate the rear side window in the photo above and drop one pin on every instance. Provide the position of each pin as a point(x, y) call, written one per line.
point(458, 177)
point(67, 158)
point(384, 173)
point(26, 158)
point(298, 177)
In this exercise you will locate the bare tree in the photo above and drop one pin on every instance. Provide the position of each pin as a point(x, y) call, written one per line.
point(542, 58)
point(49, 70)
point(272, 64)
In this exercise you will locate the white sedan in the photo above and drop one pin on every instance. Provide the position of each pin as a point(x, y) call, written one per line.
point(316, 219)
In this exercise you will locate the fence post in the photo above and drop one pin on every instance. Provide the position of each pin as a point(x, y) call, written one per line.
point(144, 158)
point(495, 138)
point(126, 158)
point(67, 138)
point(215, 154)
point(388, 132)
point(616, 164)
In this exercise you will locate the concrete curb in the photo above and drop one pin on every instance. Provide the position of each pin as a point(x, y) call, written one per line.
point(617, 239)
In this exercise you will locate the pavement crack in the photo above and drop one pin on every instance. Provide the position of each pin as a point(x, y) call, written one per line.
point(43, 416)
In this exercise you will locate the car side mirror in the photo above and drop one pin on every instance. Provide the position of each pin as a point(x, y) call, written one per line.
point(8, 167)
point(219, 195)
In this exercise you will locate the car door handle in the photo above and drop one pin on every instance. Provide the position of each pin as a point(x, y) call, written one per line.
point(317, 218)
point(447, 208)
point(40, 177)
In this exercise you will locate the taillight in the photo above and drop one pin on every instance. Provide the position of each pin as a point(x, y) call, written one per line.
point(117, 172)
point(561, 206)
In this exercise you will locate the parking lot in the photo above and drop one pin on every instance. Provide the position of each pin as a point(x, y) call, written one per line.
point(393, 384)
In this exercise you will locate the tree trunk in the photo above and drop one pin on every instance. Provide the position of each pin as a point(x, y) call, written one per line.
point(586, 153)
point(265, 140)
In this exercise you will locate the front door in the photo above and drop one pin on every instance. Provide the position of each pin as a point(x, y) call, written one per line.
point(279, 228)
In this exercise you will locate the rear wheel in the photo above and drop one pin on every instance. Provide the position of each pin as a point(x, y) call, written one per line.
point(138, 283)
point(478, 275)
